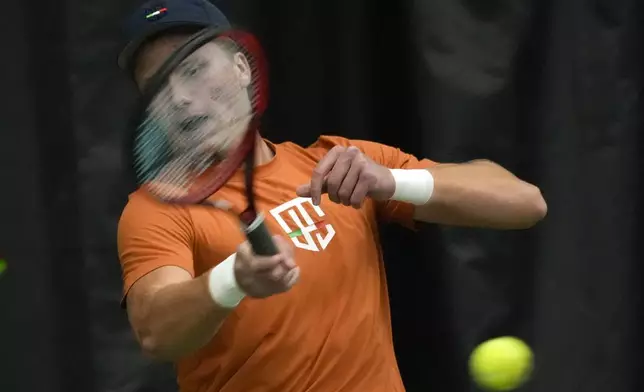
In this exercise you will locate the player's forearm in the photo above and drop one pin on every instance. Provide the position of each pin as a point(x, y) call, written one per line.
point(481, 194)
point(180, 319)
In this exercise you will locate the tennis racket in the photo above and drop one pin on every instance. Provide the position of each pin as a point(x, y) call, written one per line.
point(198, 125)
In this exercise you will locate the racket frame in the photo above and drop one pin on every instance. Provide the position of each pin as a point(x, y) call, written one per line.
point(253, 223)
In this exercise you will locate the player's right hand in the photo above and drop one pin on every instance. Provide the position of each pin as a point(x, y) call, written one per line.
point(260, 276)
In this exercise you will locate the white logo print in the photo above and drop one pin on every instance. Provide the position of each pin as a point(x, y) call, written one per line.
point(297, 213)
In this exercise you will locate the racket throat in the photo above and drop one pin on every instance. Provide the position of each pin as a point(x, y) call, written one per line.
point(250, 219)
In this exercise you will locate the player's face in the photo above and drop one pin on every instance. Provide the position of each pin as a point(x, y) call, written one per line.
point(205, 103)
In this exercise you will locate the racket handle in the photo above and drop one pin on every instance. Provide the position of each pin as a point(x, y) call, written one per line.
point(260, 238)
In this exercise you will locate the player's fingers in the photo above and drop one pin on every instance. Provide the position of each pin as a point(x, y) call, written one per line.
point(245, 251)
point(277, 273)
point(284, 246)
point(264, 264)
point(289, 263)
point(286, 249)
point(303, 190)
point(320, 172)
point(339, 172)
point(365, 183)
point(292, 277)
point(351, 180)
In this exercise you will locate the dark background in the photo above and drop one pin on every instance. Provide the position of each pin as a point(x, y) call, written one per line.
point(550, 89)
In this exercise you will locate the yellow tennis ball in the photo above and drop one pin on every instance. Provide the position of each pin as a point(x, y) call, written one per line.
point(501, 364)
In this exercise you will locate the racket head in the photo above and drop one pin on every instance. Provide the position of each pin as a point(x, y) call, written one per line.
point(199, 116)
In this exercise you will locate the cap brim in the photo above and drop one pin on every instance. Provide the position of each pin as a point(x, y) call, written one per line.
point(127, 54)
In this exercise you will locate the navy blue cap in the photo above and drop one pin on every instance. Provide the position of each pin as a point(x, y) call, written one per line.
point(156, 16)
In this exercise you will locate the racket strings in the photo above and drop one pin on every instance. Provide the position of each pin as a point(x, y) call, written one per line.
point(193, 122)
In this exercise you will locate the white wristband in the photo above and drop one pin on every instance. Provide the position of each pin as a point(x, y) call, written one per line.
point(223, 286)
point(413, 186)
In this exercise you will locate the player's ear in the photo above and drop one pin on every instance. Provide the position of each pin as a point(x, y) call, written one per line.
point(242, 69)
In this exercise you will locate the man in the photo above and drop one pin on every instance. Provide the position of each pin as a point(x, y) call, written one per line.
point(315, 317)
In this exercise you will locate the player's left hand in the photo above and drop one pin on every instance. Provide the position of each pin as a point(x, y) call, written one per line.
point(348, 177)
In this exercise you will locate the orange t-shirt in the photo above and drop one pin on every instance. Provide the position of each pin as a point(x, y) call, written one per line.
point(332, 331)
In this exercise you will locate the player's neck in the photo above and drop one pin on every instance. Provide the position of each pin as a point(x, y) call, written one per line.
point(263, 152)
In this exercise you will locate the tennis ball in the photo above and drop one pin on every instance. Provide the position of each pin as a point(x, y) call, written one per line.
point(501, 364)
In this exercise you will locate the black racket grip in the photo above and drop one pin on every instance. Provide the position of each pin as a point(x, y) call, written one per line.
point(260, 238)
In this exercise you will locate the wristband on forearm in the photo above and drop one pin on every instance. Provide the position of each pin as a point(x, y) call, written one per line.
point(414, 186)
point(223, 286)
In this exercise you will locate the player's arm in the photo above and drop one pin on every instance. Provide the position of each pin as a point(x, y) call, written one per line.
point(172, 313)
point(478, 194)
point(475, 194)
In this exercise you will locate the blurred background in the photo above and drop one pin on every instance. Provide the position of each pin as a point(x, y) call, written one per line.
point(550, 89)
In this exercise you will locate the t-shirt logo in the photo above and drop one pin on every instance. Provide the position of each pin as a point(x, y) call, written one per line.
point(304, 224)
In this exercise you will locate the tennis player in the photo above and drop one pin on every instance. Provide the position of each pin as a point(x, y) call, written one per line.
point(315, 317)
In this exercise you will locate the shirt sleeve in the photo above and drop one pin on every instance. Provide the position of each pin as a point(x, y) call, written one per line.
point(152, 235)
point(391, 157)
